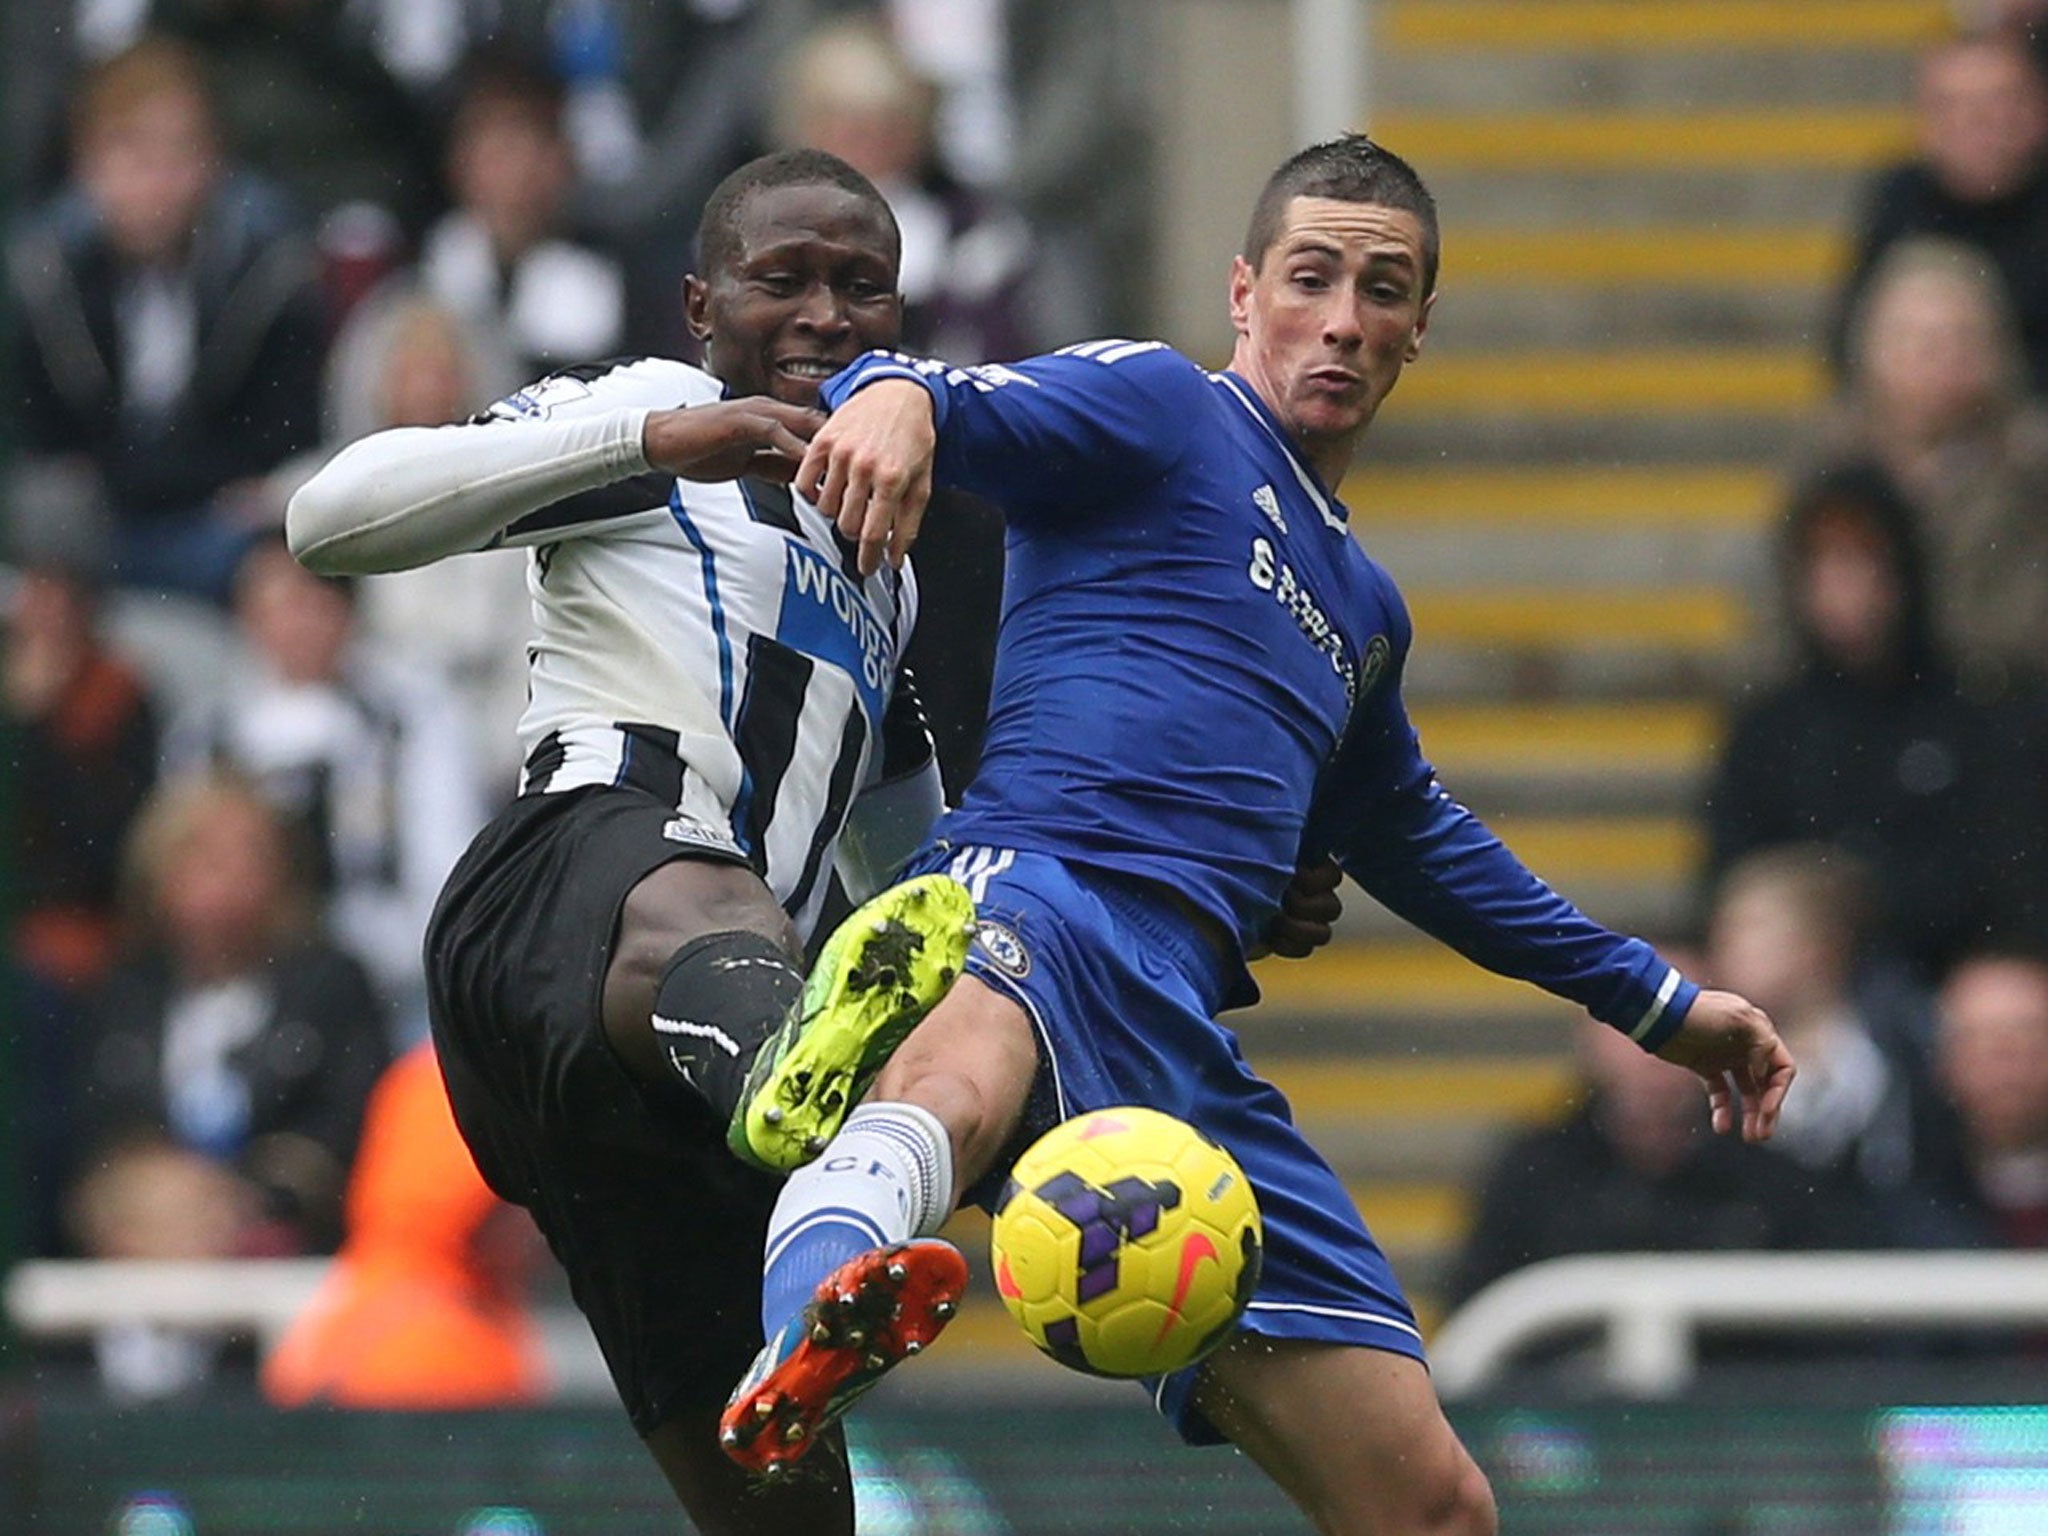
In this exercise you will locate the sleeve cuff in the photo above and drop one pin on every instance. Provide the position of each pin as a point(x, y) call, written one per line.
point(1666, 1013)
point(873, 367)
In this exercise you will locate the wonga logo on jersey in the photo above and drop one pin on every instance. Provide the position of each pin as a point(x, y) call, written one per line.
point(825, 616)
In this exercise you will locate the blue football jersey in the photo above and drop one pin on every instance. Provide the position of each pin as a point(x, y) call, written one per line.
point(1198, 671)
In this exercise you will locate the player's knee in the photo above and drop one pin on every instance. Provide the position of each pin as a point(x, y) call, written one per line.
point(672, 906)
point(1459, 1502)
point(1435, 1494)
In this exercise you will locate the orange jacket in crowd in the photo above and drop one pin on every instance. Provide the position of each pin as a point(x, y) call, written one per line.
point(415, 1312)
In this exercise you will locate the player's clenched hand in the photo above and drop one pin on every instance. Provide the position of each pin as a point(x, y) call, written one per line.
point(1732, 1044)
point(1308, 909)
point(730, 438)
point(869, 469)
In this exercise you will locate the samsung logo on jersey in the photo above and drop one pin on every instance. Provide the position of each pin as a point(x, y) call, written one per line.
point(825, 616)
point(1269, 573)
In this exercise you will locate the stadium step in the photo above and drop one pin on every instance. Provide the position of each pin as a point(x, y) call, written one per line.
point(1520, 757)
point(1688, 26)
point(1843, 138)
point(1604, 498)
point(1658, 255)
point(1780, 381)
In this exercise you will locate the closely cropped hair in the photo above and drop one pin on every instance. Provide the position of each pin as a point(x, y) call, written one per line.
point(1352, 169)
point(718, 229)
point(153, 67)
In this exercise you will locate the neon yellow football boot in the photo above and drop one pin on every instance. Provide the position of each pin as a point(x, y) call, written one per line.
point(882, 970)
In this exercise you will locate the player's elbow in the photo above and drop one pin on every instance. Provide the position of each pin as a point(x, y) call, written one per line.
point(306, 532)
point(328, 519)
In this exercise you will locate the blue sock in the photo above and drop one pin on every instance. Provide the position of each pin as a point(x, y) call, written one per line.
point(887, 1176)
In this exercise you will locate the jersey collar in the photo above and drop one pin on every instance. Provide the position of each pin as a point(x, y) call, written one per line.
point(1333, 511)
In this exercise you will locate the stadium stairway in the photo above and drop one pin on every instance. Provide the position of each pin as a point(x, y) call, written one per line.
point(1644, 205)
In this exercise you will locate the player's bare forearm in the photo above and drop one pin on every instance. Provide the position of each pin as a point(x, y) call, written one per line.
point(1733, 1046)
point(752, 436)
point(869, 468)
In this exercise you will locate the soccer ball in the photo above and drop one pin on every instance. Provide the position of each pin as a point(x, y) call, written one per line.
point(1126, 1243)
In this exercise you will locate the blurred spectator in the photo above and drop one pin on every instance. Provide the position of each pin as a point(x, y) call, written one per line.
point(1784, 932)
point(83, 745)
point(310, 102)
point(962, 47)
point(1637, 1170)
point(228, 1033)
point(663, 101)
point(849, 90)
point(1869, 746)
point(369, 763)
point(407, 360)
point(225, 1064)
point(1937, 394)
point(169, 331)
point(1992, 1056)
point(81, 736)
point(503, 257)
point(424, 1307)
point(1981, 177)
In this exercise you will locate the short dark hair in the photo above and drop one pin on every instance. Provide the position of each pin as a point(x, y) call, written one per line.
point(718, 234)
point(1352, 169)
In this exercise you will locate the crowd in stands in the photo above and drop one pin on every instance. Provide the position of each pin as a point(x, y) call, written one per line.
point(244, 233)
point(1876, 819)
point(250, 231)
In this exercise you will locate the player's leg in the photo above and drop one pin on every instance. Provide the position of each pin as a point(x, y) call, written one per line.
point(854, 1283)
point(705, 964)
point(703, 988)
point(1354, 1436)
point(724, 1500)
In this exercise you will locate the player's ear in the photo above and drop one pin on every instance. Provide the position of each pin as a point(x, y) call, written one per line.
point(1242, 277)
point(1421, 329)
point(697, 306)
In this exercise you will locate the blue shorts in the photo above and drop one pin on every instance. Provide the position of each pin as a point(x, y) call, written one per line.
point(1122, 992)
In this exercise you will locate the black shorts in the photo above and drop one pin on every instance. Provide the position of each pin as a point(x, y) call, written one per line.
point(659, 1227)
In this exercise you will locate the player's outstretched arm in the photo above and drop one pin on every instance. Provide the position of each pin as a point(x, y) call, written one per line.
point(1732, 1044)
point(869, 468)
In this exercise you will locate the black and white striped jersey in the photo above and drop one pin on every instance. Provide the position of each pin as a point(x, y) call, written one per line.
point(713, 640)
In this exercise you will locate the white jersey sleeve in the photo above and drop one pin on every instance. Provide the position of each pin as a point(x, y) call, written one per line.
point(520, 473)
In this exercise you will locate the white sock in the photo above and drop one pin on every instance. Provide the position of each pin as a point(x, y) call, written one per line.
point(887, 1176)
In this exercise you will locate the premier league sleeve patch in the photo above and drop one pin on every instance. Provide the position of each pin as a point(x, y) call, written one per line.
point(1001, 947)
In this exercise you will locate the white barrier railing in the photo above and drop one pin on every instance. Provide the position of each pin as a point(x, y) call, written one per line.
point(254, 1298)
point(1652, 1307)
point(72, 1298)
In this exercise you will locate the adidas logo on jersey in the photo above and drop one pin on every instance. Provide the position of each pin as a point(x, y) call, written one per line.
point(1268, 503)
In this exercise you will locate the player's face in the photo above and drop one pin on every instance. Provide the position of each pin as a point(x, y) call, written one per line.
point(1329, 317)
point(812, 287)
